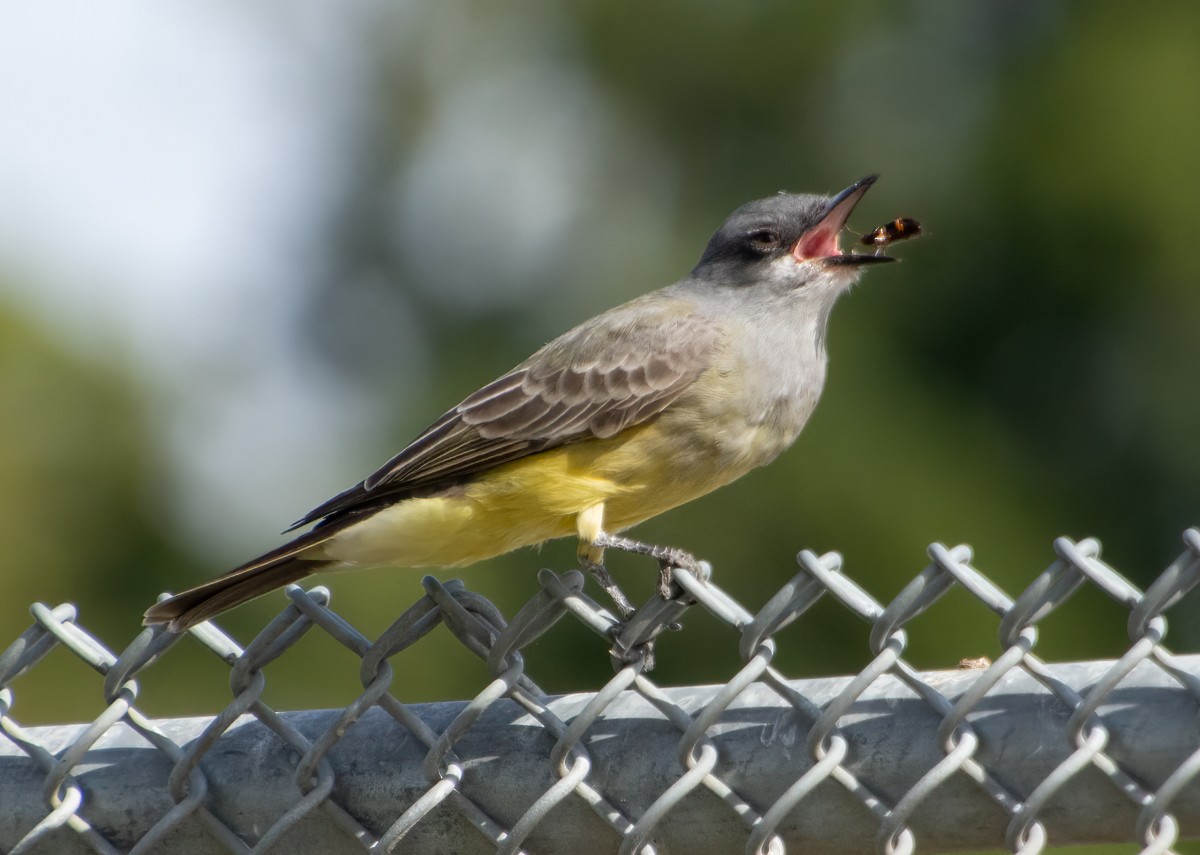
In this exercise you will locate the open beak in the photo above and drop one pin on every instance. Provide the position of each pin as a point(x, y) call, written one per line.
point(821, 241)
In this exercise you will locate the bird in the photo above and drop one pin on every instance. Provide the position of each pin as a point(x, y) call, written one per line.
point(638, 410)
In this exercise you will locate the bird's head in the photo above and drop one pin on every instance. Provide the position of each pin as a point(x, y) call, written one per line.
point(787, 243)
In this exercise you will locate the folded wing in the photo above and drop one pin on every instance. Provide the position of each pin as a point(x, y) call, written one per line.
point(617, 370)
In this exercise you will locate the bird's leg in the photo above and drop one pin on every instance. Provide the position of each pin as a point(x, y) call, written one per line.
point(669, 558)
point(593, 540)
point(600, 574)
point(589, 524)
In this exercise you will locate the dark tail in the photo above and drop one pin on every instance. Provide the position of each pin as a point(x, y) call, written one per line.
point(253, 579)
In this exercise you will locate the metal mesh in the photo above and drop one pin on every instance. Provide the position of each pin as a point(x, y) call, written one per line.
point(1005, 753)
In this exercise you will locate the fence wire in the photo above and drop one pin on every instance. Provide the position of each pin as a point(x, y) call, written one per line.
point(1009, 753)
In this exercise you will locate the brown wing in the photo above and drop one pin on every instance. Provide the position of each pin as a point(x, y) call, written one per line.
point(616, 370)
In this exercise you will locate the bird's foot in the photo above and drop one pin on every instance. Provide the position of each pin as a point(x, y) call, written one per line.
point(669, 559)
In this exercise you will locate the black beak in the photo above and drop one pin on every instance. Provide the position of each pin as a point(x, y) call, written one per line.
point(843, 203)
point(835, 218)
point(857, 258)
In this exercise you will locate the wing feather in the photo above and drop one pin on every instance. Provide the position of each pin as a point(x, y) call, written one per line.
point(617, 370)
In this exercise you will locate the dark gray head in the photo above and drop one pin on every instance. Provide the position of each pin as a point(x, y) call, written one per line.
point(788, 240)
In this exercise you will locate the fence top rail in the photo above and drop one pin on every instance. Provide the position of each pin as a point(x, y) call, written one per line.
point(1013, 752)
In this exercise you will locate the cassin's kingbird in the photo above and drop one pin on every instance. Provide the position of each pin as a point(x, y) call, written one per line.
point(638, 410)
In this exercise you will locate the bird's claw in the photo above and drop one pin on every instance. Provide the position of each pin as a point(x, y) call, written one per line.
point(677, 559)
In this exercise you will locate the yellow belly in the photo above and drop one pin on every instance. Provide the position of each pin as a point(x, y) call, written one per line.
point(637, 474)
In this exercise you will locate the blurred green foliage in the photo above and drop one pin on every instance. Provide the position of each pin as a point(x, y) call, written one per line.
point(1030, 370)
point(79, 474)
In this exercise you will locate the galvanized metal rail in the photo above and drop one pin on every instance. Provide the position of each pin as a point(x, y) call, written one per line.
point(1013, 753)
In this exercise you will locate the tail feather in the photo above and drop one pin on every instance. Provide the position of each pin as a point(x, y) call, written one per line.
point(253, 579)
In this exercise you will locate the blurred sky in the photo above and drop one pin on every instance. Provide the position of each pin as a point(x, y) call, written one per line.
point(162, 209)
point(270, 242)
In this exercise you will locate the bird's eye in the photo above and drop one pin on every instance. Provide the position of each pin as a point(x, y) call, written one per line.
point(763, 239)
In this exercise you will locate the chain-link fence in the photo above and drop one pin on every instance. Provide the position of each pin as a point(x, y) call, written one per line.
point(1013, 753)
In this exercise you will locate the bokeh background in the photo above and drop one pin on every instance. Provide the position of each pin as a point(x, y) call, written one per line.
point(249, 250)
